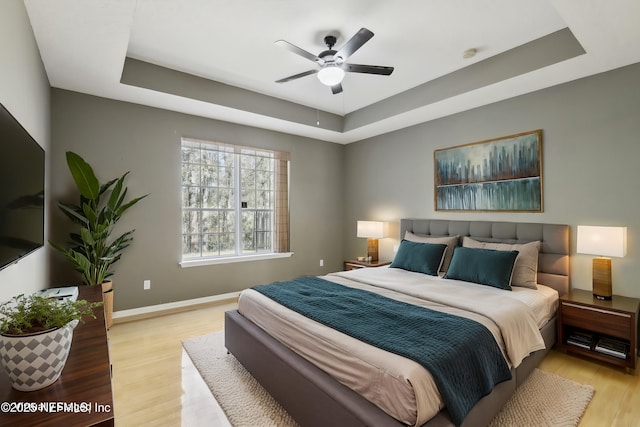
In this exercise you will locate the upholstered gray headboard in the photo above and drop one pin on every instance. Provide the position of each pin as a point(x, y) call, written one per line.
point(553, 262)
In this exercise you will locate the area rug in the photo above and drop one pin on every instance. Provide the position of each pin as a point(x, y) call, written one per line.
point(545, 399)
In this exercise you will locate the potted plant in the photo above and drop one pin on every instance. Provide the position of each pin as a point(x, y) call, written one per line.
point(35, 338)
point(93, 250)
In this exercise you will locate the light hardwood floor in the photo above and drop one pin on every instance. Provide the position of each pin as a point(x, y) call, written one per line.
point(147, 373)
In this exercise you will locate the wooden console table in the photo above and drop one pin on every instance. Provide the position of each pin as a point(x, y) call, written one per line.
point(82, 395)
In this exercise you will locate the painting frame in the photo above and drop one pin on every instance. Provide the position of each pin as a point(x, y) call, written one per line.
point(495, 175)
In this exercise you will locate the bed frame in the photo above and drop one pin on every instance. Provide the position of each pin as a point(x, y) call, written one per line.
point(314, 398)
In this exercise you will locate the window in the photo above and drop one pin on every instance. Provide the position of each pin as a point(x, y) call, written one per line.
point(235, 201)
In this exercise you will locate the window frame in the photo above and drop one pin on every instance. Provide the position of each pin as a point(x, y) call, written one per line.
point(279, 205)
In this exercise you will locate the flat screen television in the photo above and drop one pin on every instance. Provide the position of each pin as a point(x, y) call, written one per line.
point(21, 191)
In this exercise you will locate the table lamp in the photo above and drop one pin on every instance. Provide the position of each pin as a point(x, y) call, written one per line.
point(605, 242)
point(372, 230)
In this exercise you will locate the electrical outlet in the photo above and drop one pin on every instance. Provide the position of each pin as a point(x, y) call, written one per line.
point(147, 285)
point(321, 263)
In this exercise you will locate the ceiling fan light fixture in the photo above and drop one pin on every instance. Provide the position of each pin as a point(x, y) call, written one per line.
point(331, 65)
point(331, 75)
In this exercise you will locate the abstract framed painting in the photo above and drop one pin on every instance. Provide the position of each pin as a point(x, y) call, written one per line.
point(497, 175)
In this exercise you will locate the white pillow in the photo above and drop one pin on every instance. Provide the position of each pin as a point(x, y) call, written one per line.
point(525, 270)
point(450, 241)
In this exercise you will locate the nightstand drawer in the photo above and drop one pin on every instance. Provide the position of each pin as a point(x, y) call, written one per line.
point(596, 319)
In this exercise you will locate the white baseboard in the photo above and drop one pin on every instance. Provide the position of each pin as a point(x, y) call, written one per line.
point(171, 306)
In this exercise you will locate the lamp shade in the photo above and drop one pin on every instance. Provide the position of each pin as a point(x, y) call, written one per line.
point(372, 229)
point(603, 241)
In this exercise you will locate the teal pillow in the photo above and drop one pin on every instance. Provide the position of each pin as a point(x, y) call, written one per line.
point(484, 266)
point(419, 257)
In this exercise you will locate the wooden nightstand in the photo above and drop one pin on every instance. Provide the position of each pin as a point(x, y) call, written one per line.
point(352, 264)
point(582, 315)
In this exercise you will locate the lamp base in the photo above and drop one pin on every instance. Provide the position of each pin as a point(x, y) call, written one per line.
point(602, 288)
point(372, 249)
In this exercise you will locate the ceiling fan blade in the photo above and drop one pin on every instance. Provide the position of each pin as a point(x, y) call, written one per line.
point(354, 43)
point(299, 51)
point(368, 69)
point(336, 88)
point(297, 76)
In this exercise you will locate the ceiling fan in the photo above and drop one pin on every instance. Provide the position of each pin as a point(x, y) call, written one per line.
point(332, 64)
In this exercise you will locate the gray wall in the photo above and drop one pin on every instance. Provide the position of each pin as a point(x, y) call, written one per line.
point(24, 91)
point(115, 137)
point(591, 147)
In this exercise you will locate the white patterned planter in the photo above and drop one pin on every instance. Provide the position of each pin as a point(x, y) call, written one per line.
point(36, 361)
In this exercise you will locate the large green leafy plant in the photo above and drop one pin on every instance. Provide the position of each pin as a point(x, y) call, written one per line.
point(94, 250)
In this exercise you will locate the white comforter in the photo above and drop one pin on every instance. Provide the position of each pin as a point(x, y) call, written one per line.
point(401, 387)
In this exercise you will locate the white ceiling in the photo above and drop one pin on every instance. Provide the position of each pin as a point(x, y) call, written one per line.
point(84, 43)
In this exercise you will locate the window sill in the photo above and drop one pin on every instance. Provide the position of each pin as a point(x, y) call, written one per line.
point(232, 259)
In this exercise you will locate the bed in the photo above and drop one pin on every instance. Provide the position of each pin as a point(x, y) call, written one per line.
point(314, 392)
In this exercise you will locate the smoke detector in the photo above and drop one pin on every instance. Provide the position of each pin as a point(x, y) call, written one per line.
point(469, 53)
